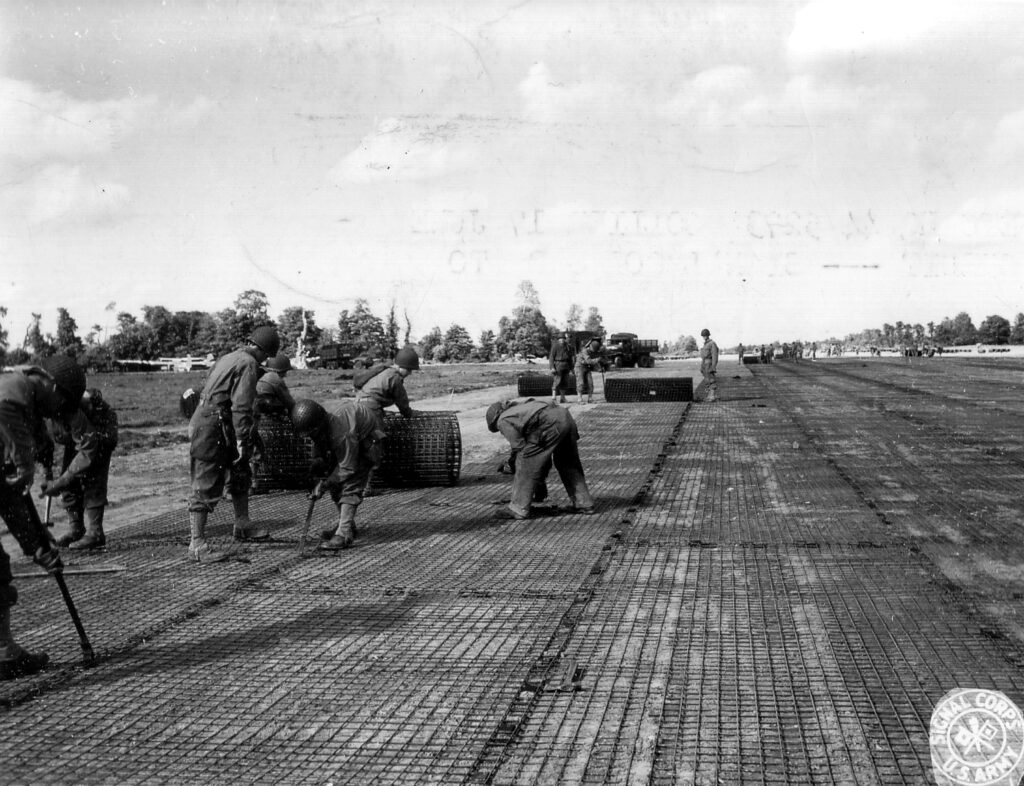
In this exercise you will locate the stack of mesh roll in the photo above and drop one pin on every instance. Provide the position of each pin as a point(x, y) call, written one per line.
point(542, 384)
point(286, 456)
point(424, 450)
point(634, 389)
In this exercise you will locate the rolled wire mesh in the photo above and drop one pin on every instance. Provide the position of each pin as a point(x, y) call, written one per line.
point(636, 389)
point(424, 450)
point(542, 384)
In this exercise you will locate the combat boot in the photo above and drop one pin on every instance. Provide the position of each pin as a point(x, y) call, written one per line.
point(198, 549)
point(345, 535)
point(244, 528)
point(15, 661)
point(94, 535)
point(76, 528)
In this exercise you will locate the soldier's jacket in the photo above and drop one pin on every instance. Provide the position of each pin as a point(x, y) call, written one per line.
point(224, 415)
point(561, 356)
point(273, 394)
point(709, 354)
point(522, 423)
point(380, 387)
point(22, 427)
point(352, 432)
point(91, 432)
point(592, 359)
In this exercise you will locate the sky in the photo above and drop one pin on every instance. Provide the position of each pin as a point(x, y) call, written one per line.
point(769, 170)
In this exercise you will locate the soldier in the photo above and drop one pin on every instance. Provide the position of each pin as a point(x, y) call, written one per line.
point(380, 387)
point(221, 433)
point(561, 359)
point(27, 396)
point(540, 434)
point(590, 359)
point(346, 445)
point(272, 394)
point(89, 437)
point(709, 366)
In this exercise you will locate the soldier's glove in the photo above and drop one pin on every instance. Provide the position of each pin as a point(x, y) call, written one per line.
point(18, 478)
point(318, 491)
point(48, 558)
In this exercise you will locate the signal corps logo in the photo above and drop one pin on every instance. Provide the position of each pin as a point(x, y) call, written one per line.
point(977, 737)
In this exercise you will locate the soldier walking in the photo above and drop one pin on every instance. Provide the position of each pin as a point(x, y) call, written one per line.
point(221, 434)
point(589, 360)
point(709, 366)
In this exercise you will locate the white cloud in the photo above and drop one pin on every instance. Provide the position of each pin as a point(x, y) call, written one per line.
point(38, 126)
point(67, 194)
point(548, 98)
point(719, 96)
point(993, 219)
point(1008, 138)
point(402, 150)
point(828, 28)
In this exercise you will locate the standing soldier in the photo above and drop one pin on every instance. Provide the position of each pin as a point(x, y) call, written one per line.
point(590, 359)
point(739, 352)
point(381, 386)
point(709, 366)
point(27, 396)
point(540, 434)
point(272, 394)
point(221, 432)
point(346, 448)
point(89, 437)
point(561, 360)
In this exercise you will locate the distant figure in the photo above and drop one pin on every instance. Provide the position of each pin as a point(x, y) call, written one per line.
point(709, 366)
point(590, 359)
point(561, 359)
point(739, 353)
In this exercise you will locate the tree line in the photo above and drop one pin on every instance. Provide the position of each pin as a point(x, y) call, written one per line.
point(161, 333)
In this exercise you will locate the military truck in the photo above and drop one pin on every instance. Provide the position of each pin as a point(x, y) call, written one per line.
point(626, 350)
point(337, 356)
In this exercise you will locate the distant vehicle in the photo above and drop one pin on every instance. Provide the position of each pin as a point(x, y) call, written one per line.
point(625, 350)
point(337, 356)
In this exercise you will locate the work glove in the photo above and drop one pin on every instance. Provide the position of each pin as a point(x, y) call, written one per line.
point(48, 558)
point(18, 478)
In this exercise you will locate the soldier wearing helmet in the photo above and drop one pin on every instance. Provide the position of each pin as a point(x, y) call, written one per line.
point(221, 434)
point(590, 359)
point(346, 447)
point(540, 434)
point(88, 437)
point(561, 359)
point(28, 394)
point(272, 394)
point(709, 366)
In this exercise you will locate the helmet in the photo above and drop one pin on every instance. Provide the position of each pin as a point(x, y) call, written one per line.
point(705, 332)
point(279, 363)
point(266, 338)
point(493, 413)
point(68, 376)
point(307, 415)
point(407, 358)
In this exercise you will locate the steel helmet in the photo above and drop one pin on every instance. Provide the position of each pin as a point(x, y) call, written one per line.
point(407, 358)
point(266, 338)
point(307, 415)
point(494, 412)
point(279, 363)
point(68, 376)
point(705, 332)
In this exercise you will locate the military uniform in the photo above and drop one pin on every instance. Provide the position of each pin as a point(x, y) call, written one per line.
point(589, 360)
point(709, 368)
point(221, 431)
point(272, 394)
point(561, 359)
point(380, 387)
point(348, 449)
point(88, 438)
point(542, 434)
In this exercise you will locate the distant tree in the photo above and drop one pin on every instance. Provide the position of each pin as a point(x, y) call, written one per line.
point(96, 357)
point(574, 317)
point(594, 322)
point(67, 341)
point(290, 326)
point(433, 339)
point(964, 332)
point(944, 333)
point(361, 328)
point(254, 305)
point(3, 335)
point(486, 350)
point(133, 340)
point(458, 344)
point(994, 330)
point(527, 295)
point(408, 327)
point(391, 333)
point(689, 344)
point(889, 334)
point(917, 332)
point(34, 342)
point(931, 330)
point(1017, 332)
